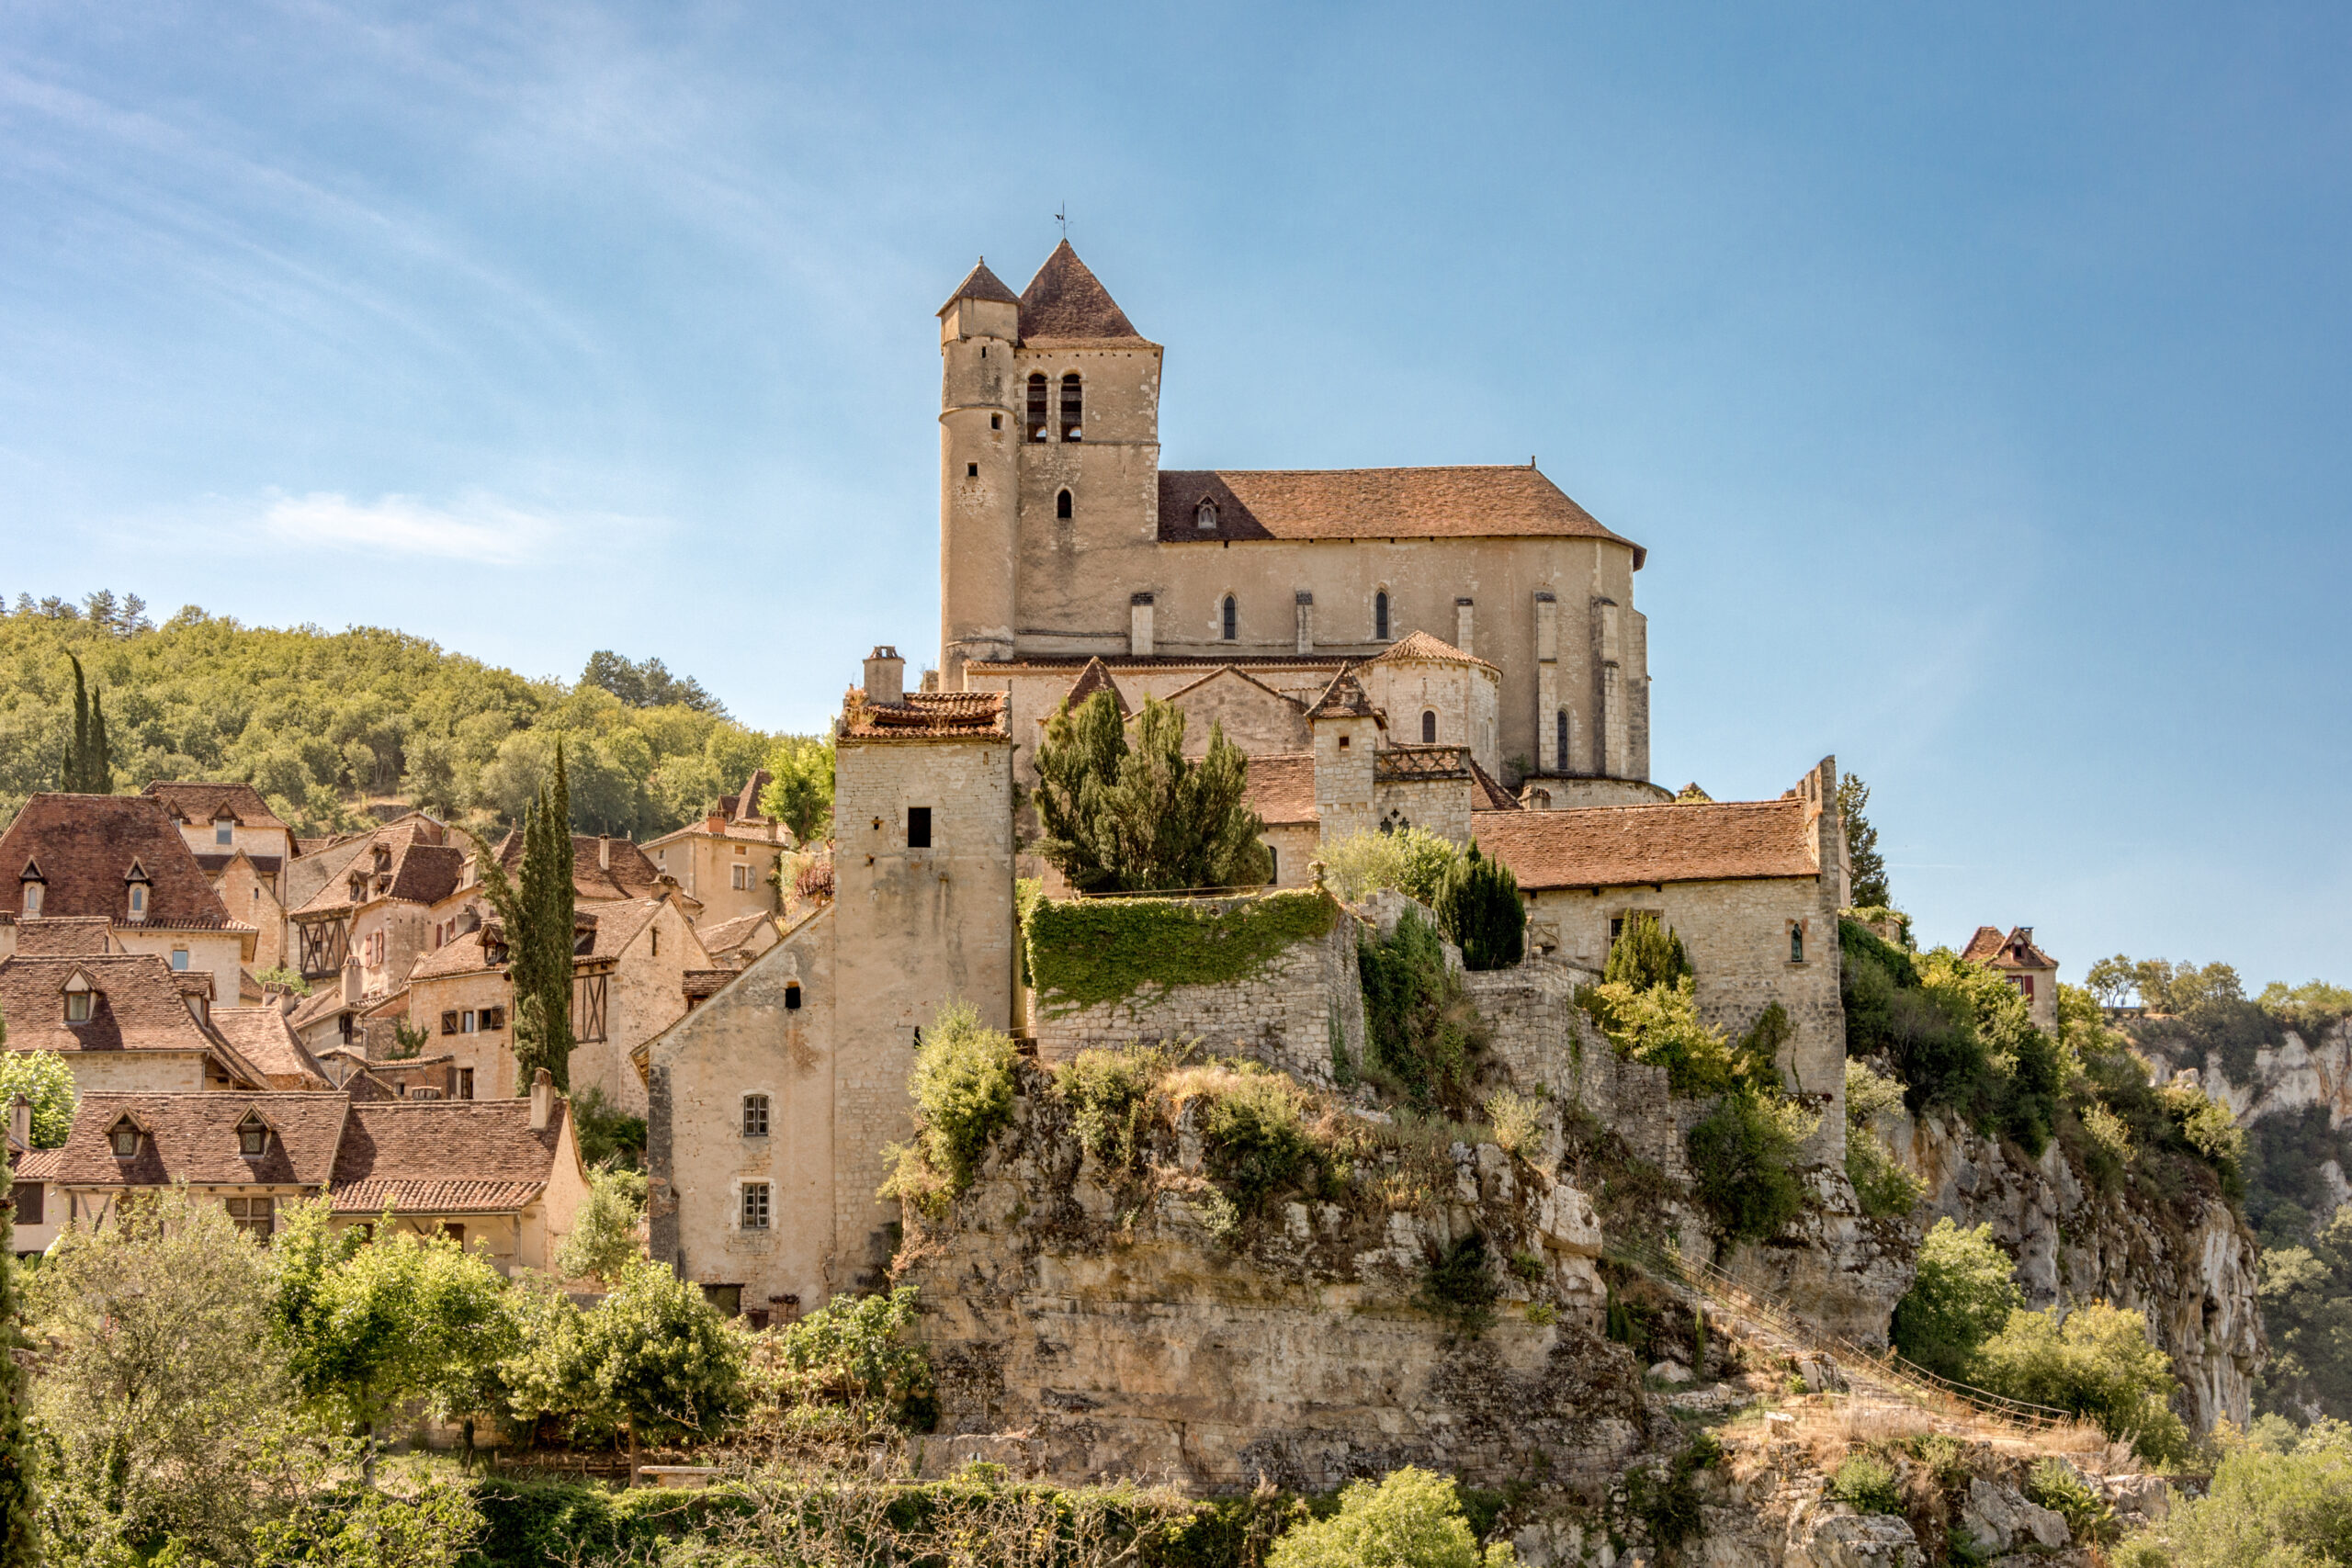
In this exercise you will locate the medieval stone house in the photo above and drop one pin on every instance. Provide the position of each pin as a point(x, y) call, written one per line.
point(243, 848)
point(2033, 973)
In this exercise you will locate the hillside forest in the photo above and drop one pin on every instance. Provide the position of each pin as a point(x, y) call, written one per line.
point(328, 724)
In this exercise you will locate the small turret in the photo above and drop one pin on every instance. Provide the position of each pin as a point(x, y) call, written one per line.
point(979, 472)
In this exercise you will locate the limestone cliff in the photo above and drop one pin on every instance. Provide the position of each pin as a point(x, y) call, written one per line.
point(2302, 1070)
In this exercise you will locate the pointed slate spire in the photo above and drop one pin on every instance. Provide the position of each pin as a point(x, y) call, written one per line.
point(980, 284)
point(1065, 303)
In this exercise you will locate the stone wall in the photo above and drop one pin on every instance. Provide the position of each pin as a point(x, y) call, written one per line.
point(1287, 1017)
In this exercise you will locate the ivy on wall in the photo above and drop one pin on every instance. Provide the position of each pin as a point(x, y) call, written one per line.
point(1088, 950)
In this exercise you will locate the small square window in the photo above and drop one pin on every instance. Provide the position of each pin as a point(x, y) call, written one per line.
point(755, 1205)
point(255, 1216)
point(792, 997)
point(918, 826)
point(756, 1116)
point(77, 1007)
point(222, 833)
point(179, 959)
point(971, 470)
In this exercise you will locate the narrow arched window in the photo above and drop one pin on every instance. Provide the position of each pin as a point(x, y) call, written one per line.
point(1073, 407)
point(1232, 617)
point(1428, 727)
point(1062, 504)
point(1380, 615)
point(1273, 865)
point(1560, 738)
point(1796, 944)
point(1205, 515)
point(1037, 406)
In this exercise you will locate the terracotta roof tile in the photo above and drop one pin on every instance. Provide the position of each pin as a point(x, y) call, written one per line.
point(926, 716)
point(982, 284)
point(199, 805)
point(1623, 845)
point(193, 1138)
point(139, 1007)
point(708, 982)
point(632, 873)
point(461, 956)
point(727, 935)
point(85, 847)
point(1096, 677)
point(2015, 951)
point(747, 800)
point(265, 1039)
point(1345, 698)
point(1422, 648)
point(1374, 503)
point(1282, 788)
point(1486, 793)
point(40, 1164)
point(1065, 303)
point(443, 1156)
point(60, 936)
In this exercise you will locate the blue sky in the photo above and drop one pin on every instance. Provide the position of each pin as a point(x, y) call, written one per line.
point(1975, 375)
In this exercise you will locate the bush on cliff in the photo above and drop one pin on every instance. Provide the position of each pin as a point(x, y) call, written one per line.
point(1961, 1295)
point(2098, 1363)
point(1411, 861)
point(1413, 1520)
point(1480, 908)
point(1743, 1163)
point(1881, 1184)
point(962, 1091)
point(1255, 1139)
point(2268, 1508)
point(2307, 1311)
point(1423, 1028)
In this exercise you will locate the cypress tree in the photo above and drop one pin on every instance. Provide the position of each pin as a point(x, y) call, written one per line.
point(556, 917)
point(537, 906)
point(87, 769)
point(20, 1525)
point(1647, 955)
point(1480, 907)
point(100, 760)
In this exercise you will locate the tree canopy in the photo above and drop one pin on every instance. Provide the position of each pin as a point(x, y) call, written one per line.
point(1121, 817)
point(1865, 867)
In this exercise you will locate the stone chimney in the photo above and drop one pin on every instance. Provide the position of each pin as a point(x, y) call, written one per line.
point(351, 982)
point(604, 852)
point(542, 1099)
point(20, 1122)
point(715, 820)
point(886, 677)
point(1139, 611)
point(1306, 602)
point(1462, 625)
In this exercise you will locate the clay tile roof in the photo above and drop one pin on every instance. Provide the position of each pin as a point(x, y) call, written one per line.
point(1623, 845)
point(215, 862)
point(982, 284)
point(140, 1006)
point(1235, 673)
point(193, 1138)
point(200, 804)
point(85, 846)
point(1096, 677)
point(708, 982)
point(632, 873)
point(617, 925)
point(1065, 303)
point(62, 936)
point(2015, 951)
point(1486, 793)
point(443, 1156)
point(323, 1003)
point(264, 1037)
point(426, 874)
point(462, 954)
point(1281, 788)
point(728, 935)
point(747, 800)
point(1345, 698)
point(927, 715)
point(1458, 502)
point(1421, 647)
point(40, 1164)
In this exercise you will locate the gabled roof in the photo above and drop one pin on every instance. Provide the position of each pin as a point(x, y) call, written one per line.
point(747, 800)
point(2015, 951)
point(444, 1156)
point(1486, 793)
point(1345, 698)
point(416, 873)
point(141, 1006)
point(1281, 788)
point(727, 935)
point(632, 873)
point(1096, 677)
point(1421, 647)
point(193, 1138)
point(1232, 671)
point(1613, 846)
point(215, 862)
point(63, 936)
point(199, 805)
point(265, 1039)
point(1066, 304)
point(322, 1004)
point(1459, 503)
point(85, 846)
point(980, 284)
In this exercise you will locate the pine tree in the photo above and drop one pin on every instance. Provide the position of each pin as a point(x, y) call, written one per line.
point(19, 1537)
point(1647, 955)
point(1478, 906)
point(1865, 867)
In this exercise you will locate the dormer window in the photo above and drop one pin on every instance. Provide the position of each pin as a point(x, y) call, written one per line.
point(223, 830)
point(383, 859)
point(124, 1138)
point(78, 1004)
point(358, 888)
point(33, 891)
point(252, 1135)
point(138, 880)
point(1205, 515)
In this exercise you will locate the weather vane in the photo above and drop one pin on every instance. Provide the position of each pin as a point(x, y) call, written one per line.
point(1061, 216)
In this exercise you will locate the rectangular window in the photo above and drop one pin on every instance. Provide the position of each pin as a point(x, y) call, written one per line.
point(449, 1023)
point(493, 1018)
point(257, 1216)
point(467, 1021)
point(28, 1202)
point(455, 1233)
point(138, 900)
point(918, 826)
point(756, 1116)
point(465, 1083)
point(179, 959)
point(755, 1205)
point(32, 898)
point(221, 832)
point(77, 1007)
point(739, 878)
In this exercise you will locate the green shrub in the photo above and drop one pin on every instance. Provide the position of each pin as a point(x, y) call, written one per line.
point(1646, 955)
point(2208, 1127)
point(1478, 907)
point(1516, 1120)
point(2098, 1363)
point(1255, 1140)
point(2263, 1509)
point(1666, 1499)
point(43, 1079)
point(1108, 1093)
point(1882, 1186)
point(1962, 1296)
point(1659, 1025)
point(1743, 1163)
point(1413, 1520)
point(603, 1236)
point(1459, 1285)
point(1085, 951)
point(1412, 860)
point(1866, 1483)
point(851, 1352)
point(963, 1089)
point(2060, 1487)
point(1423, 1029)
point(2307, 1312)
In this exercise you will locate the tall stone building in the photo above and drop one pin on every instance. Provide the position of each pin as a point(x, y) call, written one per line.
point(1062, 539)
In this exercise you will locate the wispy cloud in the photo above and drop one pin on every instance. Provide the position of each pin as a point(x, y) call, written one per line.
point(479, 528)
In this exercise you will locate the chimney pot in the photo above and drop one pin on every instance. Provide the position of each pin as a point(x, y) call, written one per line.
point(604, 852)
point(20, 1122)
point(351, 982)
point(542, 1099)
point(886, 677)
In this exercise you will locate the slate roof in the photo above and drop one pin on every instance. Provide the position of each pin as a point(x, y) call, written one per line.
point(201, 805)
point(927, 715)
point(84, 846)
point(1066, 304)
point(982, 284)
point(1623, 845)
point(1281, 788)
point(193, 1138)
point(264, 1037)
point(140, 1006)
point(443, 1156)
point(2015, 951)
point(1457, 503)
